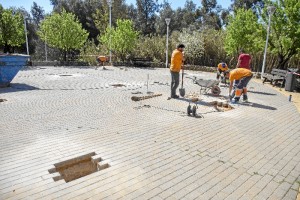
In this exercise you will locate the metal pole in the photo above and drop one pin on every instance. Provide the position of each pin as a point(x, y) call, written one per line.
point(110, 5)
point(266, 47)
point(147, 83)
point(167, 47)
point(271, 9)
point(46, 48)
point(167, 42)
point(27, 48)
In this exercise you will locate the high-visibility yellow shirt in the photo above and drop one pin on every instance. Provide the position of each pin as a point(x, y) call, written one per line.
point(223, 68)
point(239, 73)
point(176, 61)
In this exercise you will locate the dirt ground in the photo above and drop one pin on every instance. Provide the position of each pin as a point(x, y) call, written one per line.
point(295, 95)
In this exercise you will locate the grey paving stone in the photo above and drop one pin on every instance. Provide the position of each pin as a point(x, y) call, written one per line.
point(154, 149)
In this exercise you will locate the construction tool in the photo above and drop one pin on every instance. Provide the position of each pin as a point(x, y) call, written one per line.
point(182, 90)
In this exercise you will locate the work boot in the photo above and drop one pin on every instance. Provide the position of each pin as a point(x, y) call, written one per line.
point(245, 98)
point(175, 96)
point(235, 100)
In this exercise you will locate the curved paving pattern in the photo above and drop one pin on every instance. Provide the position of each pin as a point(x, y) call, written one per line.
point(155, 150)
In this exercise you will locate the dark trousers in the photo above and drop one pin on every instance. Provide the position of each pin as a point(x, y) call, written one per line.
point(174, 82)
point(242, 83)
point(242, 86)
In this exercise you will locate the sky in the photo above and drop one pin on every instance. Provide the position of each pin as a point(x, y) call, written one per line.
point(48, 8)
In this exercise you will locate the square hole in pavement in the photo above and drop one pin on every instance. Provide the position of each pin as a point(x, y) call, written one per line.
point(78, 167)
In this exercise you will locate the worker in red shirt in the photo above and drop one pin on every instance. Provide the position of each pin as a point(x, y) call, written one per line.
point(244, 60)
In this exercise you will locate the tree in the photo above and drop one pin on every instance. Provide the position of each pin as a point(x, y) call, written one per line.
point(11, 30)
point(284, 40)
point(119, 10)
point(165, 12)
point(63, 31)
point(151, 46)
point(38, 13)
point(83, 10)
point(89, 50)
point(214, 51)
point(131, 12)
point(101, 18)
point(54, 2)
point(194, 44)
point(247, 4)
point(210, 14)
point(243, 32)
point(146, 11)
point(123, 38)
point(189, 14)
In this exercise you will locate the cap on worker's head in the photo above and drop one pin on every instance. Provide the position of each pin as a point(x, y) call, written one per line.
point(223, 65)
point(180, 46)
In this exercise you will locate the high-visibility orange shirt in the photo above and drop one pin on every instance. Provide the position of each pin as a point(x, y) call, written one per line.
point(223, 68)
point(239, 73)
point(176, 61)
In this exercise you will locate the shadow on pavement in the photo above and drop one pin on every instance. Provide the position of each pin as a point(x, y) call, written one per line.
point(264, 93)
point(17, 87)
point(256, 105)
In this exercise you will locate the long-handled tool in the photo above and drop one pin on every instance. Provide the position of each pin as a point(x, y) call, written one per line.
point(182, 90)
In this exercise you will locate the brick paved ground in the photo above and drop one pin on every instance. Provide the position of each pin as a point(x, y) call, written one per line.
point(155, 151)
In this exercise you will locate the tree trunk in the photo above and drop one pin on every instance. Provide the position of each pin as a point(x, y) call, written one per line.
point(6, 48)
point(282, 60)
point(65, 55)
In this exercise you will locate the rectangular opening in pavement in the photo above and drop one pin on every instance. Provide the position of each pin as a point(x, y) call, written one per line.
point(78, 167)
point(221, 106)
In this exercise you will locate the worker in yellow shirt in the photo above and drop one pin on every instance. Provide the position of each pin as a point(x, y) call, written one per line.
point(239, 79)
point(177, 60)
point(222, 68)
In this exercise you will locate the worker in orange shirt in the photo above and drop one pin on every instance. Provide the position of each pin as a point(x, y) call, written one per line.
point(239, 79)
point(177, 60)
point(222, 68)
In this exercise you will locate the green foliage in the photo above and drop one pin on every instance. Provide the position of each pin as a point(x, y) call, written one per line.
point(214, 51)
point(146, 11)
point(165, 12)
point(245, 32)
point(122, 39)
point(188, 15)
point(210, 14)
point(194, 44)
point(83, 11)
point(63, 31)
point(89, 52)
point(152, 46)
point(101, 18)
point(284, 37)
point(11, 29)
point(38, 13)
point(247, 4)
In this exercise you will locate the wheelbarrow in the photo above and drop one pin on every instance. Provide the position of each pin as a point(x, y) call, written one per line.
point(208, 85)
point(102, 60)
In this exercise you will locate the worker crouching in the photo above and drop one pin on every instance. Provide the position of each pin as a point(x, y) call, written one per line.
point(239, 79)
point(222, 68)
